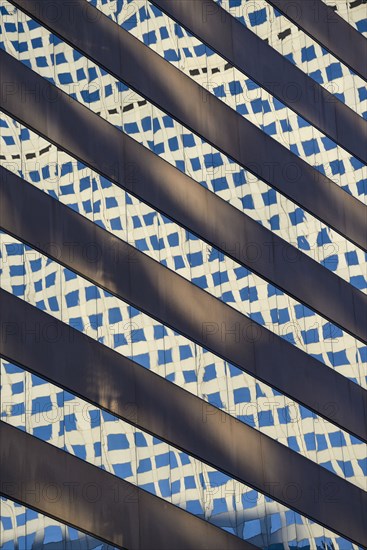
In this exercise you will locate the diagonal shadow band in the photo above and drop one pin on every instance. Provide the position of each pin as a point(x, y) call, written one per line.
point(68, 489)
point(319, 21)
point(86, 136)
point(40, 220)
point(76, 362)
point(126, 58)
point(232, 40)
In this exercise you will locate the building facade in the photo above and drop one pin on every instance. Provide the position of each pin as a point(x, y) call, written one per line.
point(183, 274)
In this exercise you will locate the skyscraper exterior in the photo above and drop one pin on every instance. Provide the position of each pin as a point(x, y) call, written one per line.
point(183, 318)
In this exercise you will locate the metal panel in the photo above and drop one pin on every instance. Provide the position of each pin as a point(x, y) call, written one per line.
point(62, 486)
point(118, 157)
point(111, 381)
point(331, 31)
point(30, 215)
point(232, 40)
point(145, 71)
